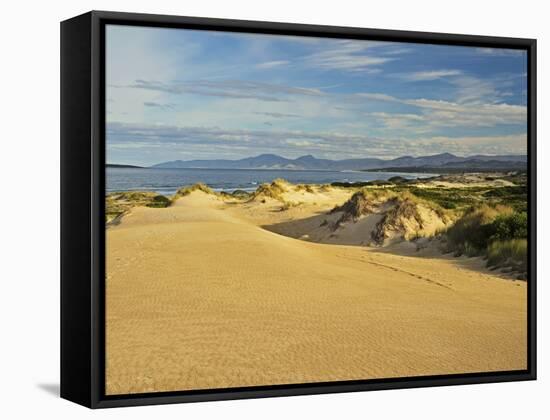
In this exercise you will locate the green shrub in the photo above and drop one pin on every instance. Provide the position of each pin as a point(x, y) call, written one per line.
point(448, 198)
point(511, 226)
point(506, 191)
point(159, 201)
point(498, 233)
point(449, 205)
point(472, 233)
point(351, 184)
point(473, 229)
point(398, 180)
point(118, 204)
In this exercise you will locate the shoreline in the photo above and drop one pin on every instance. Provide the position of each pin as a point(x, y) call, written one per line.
point(248, 185)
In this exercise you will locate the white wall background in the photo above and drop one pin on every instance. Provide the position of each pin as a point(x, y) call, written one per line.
point(29, 229)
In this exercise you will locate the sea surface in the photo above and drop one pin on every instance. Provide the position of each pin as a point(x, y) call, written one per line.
point(168, 181)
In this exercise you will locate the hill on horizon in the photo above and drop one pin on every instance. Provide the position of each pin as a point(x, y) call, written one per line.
point(309, 162)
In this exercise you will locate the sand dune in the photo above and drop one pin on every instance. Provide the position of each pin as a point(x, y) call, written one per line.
point(200, 295)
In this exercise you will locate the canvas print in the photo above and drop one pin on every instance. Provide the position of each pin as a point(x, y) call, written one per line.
point(293, 210)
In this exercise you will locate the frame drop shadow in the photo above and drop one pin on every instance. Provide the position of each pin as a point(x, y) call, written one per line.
point(52, 389)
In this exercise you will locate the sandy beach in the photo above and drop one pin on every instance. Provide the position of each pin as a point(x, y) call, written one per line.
point(215, 293)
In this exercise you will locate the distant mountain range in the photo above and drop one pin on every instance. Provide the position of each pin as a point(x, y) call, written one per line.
point(308, 162)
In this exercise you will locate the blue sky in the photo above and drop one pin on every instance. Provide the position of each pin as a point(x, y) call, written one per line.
point(182, 94)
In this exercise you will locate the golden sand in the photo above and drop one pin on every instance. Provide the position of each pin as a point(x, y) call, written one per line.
point(199, 295)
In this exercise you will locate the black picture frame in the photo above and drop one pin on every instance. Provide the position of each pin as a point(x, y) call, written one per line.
point(82, 208)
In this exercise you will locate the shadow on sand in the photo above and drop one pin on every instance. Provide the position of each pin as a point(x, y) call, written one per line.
point(316, 229)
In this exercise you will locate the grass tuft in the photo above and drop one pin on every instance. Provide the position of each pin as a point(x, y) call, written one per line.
point(188, 189)
point(273, 190)
point(511, 253)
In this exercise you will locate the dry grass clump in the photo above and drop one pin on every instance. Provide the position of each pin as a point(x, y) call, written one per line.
point(241, 194)
point(304, 187)
point(403, 219)
point(511, 254)
point(360, 204)
point(237, 194)
point(188, 189)
point(273, 190)
point(287, 205)
point(409, 218)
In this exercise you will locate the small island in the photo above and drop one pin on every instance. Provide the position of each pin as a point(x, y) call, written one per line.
point(117, 165)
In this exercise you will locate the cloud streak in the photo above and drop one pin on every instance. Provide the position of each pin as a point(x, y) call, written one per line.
point(272, 64)
point(277, 114)
point(430, 75)
point(159, 105)
point(351, 56)
point(238, 89)
point(500, 52)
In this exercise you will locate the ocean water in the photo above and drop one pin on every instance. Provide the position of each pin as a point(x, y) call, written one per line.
point(168, 181)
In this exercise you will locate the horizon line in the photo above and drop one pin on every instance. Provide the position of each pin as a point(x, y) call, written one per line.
point(333, 160)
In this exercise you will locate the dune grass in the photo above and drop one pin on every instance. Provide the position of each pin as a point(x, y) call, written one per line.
point(511, 253)
point(287, 205)
point(305, 187)
point(273, 190)
point(188, 189)
point(498, 233)
point(471, 234)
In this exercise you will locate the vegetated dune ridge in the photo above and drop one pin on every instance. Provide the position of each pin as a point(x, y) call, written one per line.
point(199, 295)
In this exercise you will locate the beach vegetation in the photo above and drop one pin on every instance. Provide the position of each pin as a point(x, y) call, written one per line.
point(241, 194)
point(118, 204)
point(287, 205)
point(273, 190)
point(188, 189)
point(159, 201)
point(510, 253)
point(305, 187)
point(398, 180)
point(498, 233)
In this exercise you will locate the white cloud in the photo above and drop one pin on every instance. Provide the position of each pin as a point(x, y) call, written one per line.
point(277, 114)
point(271, 64)
point(474, 90)
point(378, 97)
point(500, 52)
point(299, 143)
point(439, 113)
point(430, 75)
point(348, 56)
point(400, 121)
